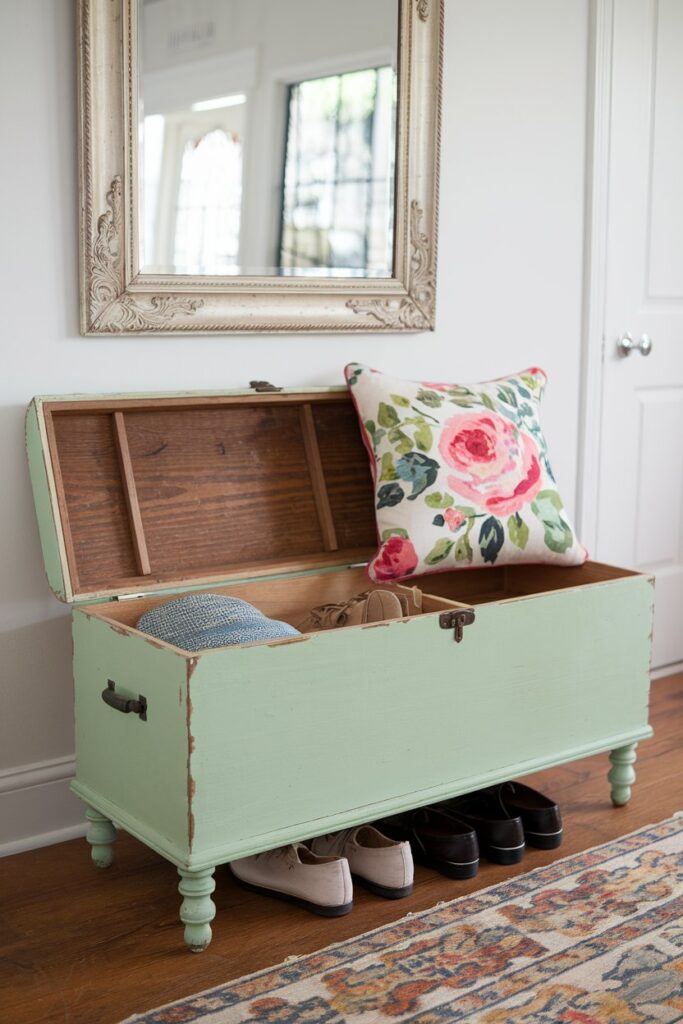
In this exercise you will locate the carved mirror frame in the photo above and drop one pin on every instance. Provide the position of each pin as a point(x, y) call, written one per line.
point(116, 298)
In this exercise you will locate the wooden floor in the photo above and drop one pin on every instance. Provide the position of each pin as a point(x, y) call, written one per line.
point(83, 946)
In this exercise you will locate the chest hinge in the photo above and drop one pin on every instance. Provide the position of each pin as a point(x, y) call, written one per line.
point(456, 620)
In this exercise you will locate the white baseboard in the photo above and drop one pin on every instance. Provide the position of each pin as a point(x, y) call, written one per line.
point(59, 835)
point(37, 807)
point(666, 670)
point(26, 776)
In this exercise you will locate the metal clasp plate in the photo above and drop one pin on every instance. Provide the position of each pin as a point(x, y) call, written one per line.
point(457, 620)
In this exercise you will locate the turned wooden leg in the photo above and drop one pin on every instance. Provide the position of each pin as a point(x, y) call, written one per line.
point(197, 909)
point(621, 775)
point(101, 835)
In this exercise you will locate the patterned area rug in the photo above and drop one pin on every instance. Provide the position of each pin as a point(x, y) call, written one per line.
point(596, 938)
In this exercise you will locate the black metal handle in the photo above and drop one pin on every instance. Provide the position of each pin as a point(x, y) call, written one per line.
point(125, 705)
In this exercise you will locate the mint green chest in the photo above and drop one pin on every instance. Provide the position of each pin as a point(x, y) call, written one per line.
point(241, 749)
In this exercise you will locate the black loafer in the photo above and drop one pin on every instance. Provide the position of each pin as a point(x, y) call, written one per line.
point(500, 834)
point(540, 816)
point(438, 839)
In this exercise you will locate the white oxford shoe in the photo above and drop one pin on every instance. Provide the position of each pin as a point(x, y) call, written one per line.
point(321, 884)
point(382, 865)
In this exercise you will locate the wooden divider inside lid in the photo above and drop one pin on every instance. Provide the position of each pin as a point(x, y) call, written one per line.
point(158, 491)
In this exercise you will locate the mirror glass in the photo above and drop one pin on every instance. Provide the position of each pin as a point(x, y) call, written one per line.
point(267, 137)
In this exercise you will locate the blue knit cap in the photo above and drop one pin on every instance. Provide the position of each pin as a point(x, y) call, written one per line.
point(199, 621)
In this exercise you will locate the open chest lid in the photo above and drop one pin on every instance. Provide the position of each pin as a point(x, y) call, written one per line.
point(156, 492)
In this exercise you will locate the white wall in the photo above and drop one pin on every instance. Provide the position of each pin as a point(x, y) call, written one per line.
point(510, 271)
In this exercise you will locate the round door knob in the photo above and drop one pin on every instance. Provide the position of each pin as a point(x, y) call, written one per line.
point(626, 345)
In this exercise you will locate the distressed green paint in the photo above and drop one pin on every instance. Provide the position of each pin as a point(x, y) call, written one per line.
point(352, 723)
point(101, 835)
point(197, 909)
point(125, 396)
point(248, 748)
point(123, 763)
point(622, 773)
point(47, 526)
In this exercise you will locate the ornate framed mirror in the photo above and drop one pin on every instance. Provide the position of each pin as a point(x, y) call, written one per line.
point(259, 165)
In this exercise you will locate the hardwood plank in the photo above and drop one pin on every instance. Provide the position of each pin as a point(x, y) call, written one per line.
point(348, 480)
point(263, 571)
point(109, 403)
point(88, 947)
point(131, 494)
point(315, 467)
point(203, 490)
point(92, 501)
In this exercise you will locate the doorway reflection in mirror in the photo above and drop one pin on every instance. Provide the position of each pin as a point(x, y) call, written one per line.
point(193, 187)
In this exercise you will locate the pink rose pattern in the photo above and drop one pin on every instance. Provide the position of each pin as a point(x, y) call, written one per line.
point(396, 558)
point(454, 519)
point(496, 465)
point(461, 474)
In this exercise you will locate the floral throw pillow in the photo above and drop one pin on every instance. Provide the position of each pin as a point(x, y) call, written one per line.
point(461, 474)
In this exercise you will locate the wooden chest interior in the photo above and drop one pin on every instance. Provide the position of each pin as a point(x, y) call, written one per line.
point(166, 493)
point(159, 492)
point(290, 599)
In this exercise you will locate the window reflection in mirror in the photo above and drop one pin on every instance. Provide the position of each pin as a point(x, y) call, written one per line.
point(337, 202)
point(267, 137)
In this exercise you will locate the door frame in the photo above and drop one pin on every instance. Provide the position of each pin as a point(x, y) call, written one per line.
point(596, 225)
point(596, 205)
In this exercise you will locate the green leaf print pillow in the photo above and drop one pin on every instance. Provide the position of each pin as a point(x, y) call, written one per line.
point(461, 474)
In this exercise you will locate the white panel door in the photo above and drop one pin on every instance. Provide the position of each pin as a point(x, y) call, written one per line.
point(640, 518)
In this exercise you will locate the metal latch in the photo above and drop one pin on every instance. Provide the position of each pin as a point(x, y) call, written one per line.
point(457, 620)
point(262, 385)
